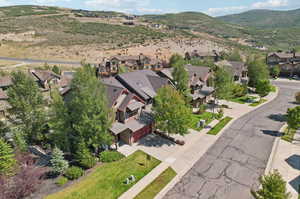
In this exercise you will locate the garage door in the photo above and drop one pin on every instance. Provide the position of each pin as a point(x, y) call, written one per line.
point(141, 133)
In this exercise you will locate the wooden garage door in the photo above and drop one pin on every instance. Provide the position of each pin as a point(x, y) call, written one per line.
point(141, 133)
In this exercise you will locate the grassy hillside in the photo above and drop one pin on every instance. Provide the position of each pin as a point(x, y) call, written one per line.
point(196, 21)
point(265, 19)
point(27, 10)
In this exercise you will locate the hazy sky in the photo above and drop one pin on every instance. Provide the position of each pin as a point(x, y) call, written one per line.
point(211, 7)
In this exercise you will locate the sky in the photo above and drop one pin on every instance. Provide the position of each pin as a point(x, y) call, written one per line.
point(210, 7)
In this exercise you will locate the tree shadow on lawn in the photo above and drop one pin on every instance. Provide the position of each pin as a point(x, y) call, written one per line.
point(153, 140)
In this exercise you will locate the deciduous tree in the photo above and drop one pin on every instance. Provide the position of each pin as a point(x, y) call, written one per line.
point(297, 97)
point(181, 78)
point(293, 117)
point(257, 71)
point(263, 88)
point(223, 83)
point(272, 187)
point(170, 112)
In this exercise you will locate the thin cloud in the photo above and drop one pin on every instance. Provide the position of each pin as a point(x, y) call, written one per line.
point(270, 4)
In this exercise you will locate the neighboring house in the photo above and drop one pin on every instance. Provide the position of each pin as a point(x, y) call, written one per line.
point(238, 69)
point(201, 90)
point(289, 63)
point(195, 54)
point(5, 82)
point(112, 66)
point(4, 105)
point(46, 78)
point(132, 122)
point(144, 83)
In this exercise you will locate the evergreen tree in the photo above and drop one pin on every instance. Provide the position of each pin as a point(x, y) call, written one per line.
point(58, 163)
point(170, 112)
point(7, 158)
point(27, 107)
point(56, 70)
point(272, 187)
point(84, 157)
point(223, 84)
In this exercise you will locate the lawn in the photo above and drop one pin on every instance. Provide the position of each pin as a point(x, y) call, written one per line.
point(258, 103)
point(157, 185)
point(107, 180)
point(207, 116)
point(243, 99)
point(289, 135)
point(216, 129)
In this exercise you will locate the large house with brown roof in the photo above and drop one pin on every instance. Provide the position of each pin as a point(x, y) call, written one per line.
point(201, 90)
point(5, 82)
point(238, 69)
point(289, 63)
point(132, 122)
point(45, 78)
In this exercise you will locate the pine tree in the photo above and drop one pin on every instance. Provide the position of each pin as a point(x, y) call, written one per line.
point(58, 163)
point(84, 157)
point(27, 107)
point(7, 158)
point(272, 187)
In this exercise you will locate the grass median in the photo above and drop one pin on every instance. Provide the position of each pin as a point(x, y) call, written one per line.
point(218, 127)
point(107, 181)
point(157, 185)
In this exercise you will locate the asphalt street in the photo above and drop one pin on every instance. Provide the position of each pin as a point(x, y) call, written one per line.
point(31, 61)
point(232, 166)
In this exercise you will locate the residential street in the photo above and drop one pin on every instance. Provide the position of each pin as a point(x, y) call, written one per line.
point(232, 166)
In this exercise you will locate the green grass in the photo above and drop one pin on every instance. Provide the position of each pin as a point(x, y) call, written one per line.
point(157, 185)
point(107, 180)
point(207, 116)
point(243, 99)
point(216, 129)
point(289, 135)
point(258, 103)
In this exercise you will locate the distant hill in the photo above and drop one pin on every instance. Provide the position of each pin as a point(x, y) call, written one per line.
point(265, 19)
point(199, 22)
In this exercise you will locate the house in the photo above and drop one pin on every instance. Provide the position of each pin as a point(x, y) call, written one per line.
point(4, 105)
point(132, 122)
point(143, 83)
point(195, 54)
point(45, 78)
point(201, 90)
point(289, 63)
point(237, 68)
point(5, 82)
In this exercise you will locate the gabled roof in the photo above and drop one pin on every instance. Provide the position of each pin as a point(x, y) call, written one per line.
point(5, 81)
point(44, 75)
point(3, 95)
point(145, 83)
point(235, 67)
point(201, 72)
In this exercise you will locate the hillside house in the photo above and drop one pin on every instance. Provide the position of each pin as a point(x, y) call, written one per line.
point(5, 82)
point(132, 121)
point(289, 63)
point(201, 90)
point(195, 54)
point(238, 69)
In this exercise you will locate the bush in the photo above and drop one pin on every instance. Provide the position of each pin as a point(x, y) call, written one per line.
point(74, 172)
point(239, 90)
point(110, 156)
point(61, 181)
point(84, 158)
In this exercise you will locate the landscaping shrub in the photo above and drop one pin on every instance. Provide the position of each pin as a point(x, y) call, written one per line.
point(74, 172)
point(61, 181)
point(84, 158)
point(110, 156)
point(239, 90)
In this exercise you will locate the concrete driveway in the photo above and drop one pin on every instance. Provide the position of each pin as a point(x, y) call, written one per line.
point(232, 166)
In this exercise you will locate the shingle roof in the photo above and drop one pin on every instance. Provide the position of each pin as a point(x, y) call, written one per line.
point(3, 95)
point(5, 81)
point(235, 67)
point(202, 72)
point(142, 81)
point(44, 75)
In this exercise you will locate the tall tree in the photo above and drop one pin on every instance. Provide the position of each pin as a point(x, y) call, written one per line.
point(7, 158)
point(175, 59)
point(263, 88)
point(181, 78)
point(170, 112)
point(87, 115)
point(272, 187)
point(257, 71)
point(223, 83)
point(27, 107)
point(275, 71)
point(293, 117)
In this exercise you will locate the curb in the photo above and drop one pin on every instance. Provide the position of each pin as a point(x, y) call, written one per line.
point(274, 151)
